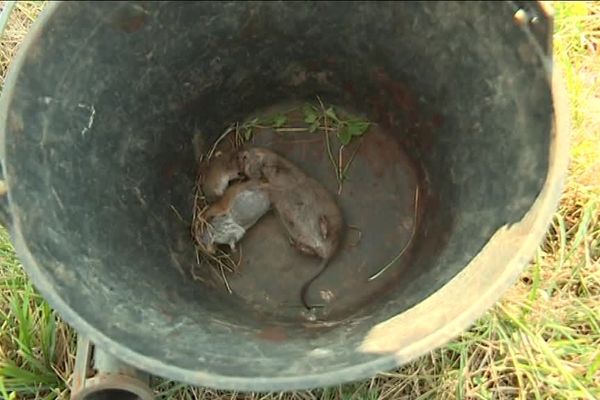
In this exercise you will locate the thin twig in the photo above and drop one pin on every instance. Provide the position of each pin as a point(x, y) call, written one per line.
point(328, 144)
point(296, 141)
point(225, 280)
point(410, 239)
point(292, 129)
point(197, 277)
point(352, 157)
point(232, 266)
point(327, 129)
point(330, 153)
point(177, 213)
point(239, 261)
point(238, 140)
point(214, 147)
point(340, 169)
point(258, 126)
point(345, 170)
point(198, 222)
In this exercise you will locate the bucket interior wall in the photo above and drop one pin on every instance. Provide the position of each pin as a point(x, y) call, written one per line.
point(99, 151)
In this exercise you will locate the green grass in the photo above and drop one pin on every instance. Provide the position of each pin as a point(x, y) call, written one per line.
point(541, 341)
point(34, 344)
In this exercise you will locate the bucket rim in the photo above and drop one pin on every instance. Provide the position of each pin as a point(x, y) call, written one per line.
point(529, 231)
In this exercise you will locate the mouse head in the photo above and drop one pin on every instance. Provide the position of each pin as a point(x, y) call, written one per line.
point(219, 170)
point(250, 162)
point(229, 159)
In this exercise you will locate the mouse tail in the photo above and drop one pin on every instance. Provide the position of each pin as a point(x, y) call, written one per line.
point(306, 286)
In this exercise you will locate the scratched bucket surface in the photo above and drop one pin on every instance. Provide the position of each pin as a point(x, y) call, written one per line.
point(99, 116)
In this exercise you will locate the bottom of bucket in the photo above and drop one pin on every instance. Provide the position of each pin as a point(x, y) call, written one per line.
point(377, 198)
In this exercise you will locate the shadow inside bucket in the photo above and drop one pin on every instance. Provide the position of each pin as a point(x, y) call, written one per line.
point(100, 122)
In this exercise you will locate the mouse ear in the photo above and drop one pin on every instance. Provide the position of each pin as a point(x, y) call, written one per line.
point(323, 225)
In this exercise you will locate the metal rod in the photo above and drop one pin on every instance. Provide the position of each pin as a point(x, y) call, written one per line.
point(100, 376)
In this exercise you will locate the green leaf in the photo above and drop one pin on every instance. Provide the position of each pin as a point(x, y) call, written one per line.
point(357, 128)
point(48, 333)
point(331, 114)
point(3, 391)
point(279, 120)
point(313, 127)
point(247, 133)
point(594, 366)
point(344, 135)
point(310, 114)
point(309, 119)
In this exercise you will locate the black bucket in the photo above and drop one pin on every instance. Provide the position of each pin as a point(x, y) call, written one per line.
point(102, 107)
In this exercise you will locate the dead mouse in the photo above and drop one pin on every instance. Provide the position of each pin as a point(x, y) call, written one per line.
point(307, 210)
point(240, 207)
point(218, 172)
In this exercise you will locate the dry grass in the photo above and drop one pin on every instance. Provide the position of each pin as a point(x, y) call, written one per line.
point(542, 341)
point(220, 262)
point(21, 18)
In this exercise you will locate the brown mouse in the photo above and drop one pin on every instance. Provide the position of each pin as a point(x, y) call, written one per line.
point(240, 207)
point(218, 172)
point(307, 210)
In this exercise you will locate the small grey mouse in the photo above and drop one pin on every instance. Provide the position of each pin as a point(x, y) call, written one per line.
point(307, 210)
point(240, 207)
